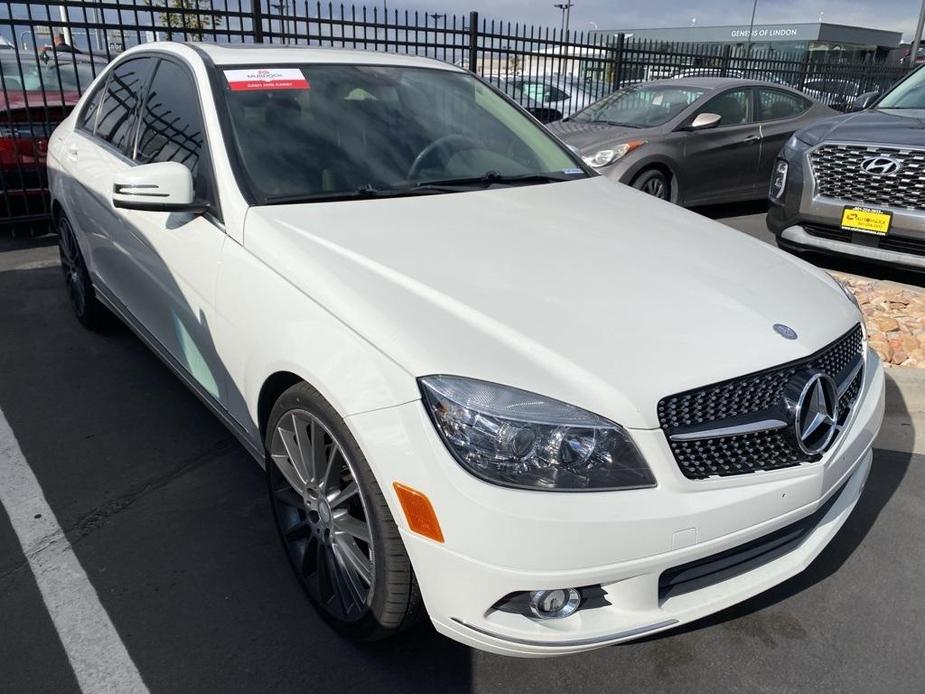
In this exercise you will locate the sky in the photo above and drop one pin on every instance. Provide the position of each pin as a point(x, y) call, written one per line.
point(895, 15)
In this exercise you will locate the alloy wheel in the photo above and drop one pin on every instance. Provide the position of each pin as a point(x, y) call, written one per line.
point(321, 515)
point(655, 186)
point(72, 266)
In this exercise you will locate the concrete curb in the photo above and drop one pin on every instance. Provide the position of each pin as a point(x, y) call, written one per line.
point(904, 419)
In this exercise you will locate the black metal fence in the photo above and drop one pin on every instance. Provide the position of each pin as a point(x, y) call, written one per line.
point(49, 54)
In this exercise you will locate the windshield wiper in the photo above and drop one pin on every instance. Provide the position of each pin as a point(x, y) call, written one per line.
point(364, 192)
point(449, 185)
point(492, 178)
point(617, 123)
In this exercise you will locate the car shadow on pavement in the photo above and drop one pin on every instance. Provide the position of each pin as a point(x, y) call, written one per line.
point(888, 469)
point(169, 515)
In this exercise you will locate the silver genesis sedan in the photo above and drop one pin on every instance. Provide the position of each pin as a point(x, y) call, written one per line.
point(693, 141)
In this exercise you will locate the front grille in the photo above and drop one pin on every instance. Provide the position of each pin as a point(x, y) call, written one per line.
point(739, 560)
point(838, 174)
point(889, 242)
point(753, 396)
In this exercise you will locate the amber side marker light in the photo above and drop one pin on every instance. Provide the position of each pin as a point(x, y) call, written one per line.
point(419, 512)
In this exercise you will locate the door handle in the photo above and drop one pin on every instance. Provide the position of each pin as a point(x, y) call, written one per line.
point(752, 138)
point(71, 152)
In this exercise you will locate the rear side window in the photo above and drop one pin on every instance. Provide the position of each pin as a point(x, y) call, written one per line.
point(774, 104)
point(119, 109)
point(171, 121)
point(87, 120)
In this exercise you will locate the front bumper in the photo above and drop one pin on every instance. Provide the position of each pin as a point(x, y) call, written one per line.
point(500, 541)
point(805, 238)
point(802, 220)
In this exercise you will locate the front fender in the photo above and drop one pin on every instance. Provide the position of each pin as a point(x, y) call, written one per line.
point(270, 326)
point(627, 169)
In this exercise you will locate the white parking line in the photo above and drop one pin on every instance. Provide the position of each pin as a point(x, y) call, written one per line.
point(96, 653)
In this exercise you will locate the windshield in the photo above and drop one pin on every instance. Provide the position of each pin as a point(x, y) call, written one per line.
point(315, 132)
point(30, 75)
point(641, 107)
point(908, 94)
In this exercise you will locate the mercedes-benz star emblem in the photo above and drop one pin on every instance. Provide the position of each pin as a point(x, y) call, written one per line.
point(785, 331)
point(815, 416)
point(881, 166)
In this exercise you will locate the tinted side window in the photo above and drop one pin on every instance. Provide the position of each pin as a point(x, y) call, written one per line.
point(120, 106)
point(171, 122)
point(87, 119)
point(774, 104)
point(733, 107)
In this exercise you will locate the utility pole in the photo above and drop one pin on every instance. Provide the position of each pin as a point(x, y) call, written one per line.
point(917, 39)
point(751, 30)
point(435, 16)
point(283, 8)
point(566, 9)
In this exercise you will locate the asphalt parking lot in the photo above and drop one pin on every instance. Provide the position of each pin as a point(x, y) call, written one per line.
point(167, 517)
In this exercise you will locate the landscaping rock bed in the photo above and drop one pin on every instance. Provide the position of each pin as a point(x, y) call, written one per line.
point(895, 317)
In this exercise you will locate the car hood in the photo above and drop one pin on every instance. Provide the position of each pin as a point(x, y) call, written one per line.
point(585, 291)
point(882, 126)
point(589, 138)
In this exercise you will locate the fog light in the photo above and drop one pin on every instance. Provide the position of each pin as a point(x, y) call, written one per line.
point(779, 179)
point(554, 604)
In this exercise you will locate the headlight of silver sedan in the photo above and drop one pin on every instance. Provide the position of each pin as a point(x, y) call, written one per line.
point(519, 439)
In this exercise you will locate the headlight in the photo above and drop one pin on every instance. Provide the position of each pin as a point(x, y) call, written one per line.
point(850, 295)
point(518, 439)
point(608, 156)
point(779, 179)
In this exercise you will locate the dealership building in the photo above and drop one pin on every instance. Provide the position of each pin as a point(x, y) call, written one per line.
point(817, 39)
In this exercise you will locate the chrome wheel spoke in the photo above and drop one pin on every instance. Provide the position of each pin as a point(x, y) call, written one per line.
point(351, 526)
point(290, 444)
point(353, 559)
point(331, 476)
point(306, 453)
point(288, 471)
point(344, 495)
point(352, 593)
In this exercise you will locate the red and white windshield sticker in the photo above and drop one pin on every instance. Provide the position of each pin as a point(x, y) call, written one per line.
point(265, 78)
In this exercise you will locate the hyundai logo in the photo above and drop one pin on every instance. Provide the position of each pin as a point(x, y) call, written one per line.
point(881, 166)
point(813, 402)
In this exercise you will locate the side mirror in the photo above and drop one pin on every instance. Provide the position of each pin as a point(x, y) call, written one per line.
point(705, 121)
point(160, 187)
point(866, 100)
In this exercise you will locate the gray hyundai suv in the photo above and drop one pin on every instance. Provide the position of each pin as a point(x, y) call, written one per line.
point(855, 184)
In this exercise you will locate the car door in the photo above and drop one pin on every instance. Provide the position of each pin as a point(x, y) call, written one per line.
point(175, 256)
point(94, 154)
point(779, 114)
point(721, 163)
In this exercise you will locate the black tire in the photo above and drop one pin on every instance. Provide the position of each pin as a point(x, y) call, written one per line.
point(655, 183)
point(87, 308)
point(393, 601)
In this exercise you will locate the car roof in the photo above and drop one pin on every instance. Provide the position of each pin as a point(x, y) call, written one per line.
point(230, 54)
point(715, 83)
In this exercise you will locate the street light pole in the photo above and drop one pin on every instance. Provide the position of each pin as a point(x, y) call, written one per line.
point(917, 39)
point(751, 30)
point(565, 8)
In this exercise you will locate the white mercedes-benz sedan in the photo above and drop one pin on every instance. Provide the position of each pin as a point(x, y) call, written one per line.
point(549, 411)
